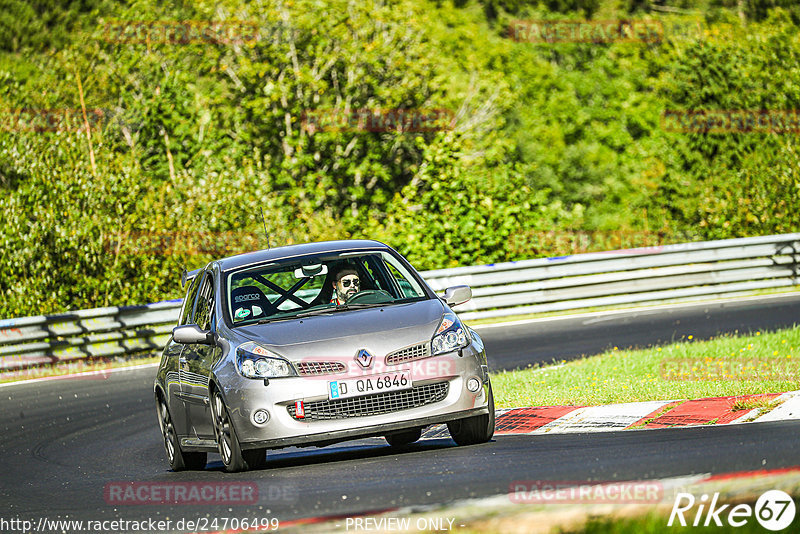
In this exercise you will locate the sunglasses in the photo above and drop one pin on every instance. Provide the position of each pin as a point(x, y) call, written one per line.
point(346, 282)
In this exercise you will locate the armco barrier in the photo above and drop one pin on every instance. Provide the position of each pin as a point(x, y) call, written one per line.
point(623, 277)
point(725, 268)
point(95, 333)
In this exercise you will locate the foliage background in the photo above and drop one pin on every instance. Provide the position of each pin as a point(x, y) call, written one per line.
point(554, 149)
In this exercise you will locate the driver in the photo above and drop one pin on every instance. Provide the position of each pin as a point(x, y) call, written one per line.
point(345, 285)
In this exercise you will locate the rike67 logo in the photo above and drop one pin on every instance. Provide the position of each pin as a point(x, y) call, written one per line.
point(774, 510)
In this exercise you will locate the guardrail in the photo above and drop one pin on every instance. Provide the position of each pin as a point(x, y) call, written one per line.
point(687, 271)
point(95, 333)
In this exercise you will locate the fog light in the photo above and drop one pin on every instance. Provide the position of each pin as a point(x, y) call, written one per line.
point(260, 417)
point(473, 384)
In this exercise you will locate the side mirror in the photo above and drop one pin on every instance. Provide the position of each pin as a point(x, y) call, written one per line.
point(190, 334)
point(456, 295)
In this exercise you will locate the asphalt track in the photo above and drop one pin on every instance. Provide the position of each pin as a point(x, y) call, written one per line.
point(65, 440)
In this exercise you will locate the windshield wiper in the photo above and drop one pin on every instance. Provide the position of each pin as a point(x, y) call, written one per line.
point(334, 309)
point(268, 320)
point(309, 313)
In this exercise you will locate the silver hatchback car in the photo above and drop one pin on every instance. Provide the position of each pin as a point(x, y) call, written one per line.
point(309, 345)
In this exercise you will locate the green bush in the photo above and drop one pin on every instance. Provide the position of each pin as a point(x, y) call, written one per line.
point(545, 148)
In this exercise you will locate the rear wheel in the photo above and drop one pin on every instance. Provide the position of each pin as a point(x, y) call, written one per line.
point(233, 457)
point(476, 429)
point(406, 437)
point(178, 459)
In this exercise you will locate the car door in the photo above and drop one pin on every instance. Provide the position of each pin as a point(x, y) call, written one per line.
point(174, 352)
point(196, 362)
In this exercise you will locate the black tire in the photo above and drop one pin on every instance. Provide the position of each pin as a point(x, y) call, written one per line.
point(255, 458)
point(178, 459)
point(406, 437)
point(476, 429)
point(233, 457)
point(228, 443)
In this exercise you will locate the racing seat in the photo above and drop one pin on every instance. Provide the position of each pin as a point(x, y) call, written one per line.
point(248, 302)
point(326, 293)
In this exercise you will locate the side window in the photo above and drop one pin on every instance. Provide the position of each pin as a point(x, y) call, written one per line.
point(205, 303)
point(188, 301)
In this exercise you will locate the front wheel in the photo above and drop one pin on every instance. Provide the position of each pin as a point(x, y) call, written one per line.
point(475, 429)
point(233, 457)
point(178, 459)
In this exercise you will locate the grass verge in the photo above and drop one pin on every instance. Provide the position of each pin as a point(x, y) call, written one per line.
point(764, 362)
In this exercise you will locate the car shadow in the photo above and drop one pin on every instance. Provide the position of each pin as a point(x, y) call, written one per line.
point(299, 457)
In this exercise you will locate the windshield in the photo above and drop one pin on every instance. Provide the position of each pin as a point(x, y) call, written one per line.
point(321, 284)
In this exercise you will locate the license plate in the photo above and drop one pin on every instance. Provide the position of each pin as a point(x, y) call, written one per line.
point(367, 385)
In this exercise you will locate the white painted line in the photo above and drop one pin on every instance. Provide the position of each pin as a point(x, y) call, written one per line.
point(790, 409)
point(628, 311)
point(601, 418)
point(749, 414)
point(78, 375)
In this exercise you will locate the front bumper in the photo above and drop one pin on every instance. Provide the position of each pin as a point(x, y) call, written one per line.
point(244, 396)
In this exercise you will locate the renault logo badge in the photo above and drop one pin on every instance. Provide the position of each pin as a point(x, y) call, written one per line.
point(364, 358)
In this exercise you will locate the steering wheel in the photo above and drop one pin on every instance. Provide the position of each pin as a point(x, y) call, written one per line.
point(371, 296)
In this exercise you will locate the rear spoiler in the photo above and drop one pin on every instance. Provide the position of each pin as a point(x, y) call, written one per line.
point(188, 276)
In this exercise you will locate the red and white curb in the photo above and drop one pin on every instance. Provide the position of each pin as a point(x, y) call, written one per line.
point(637, 415)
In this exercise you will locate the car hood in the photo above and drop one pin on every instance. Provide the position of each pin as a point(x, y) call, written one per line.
point(377, 330)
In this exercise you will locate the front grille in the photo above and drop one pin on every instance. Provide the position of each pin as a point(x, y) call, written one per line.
point(392, 401)
point(416, 352)
point(320, 368)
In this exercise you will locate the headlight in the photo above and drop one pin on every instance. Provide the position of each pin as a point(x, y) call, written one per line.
point(450, 336)
point(255, 361)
